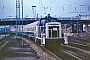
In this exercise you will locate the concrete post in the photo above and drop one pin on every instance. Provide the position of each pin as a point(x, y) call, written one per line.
point(73, 30)
point(65, 38)
point(81, 27)
point(86, 29)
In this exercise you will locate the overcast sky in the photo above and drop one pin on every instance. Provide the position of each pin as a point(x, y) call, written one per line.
point(58, 8)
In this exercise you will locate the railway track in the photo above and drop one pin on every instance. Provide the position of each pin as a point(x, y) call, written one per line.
point(58, 51)
point(77, 52)
point(78, 49)
point(81, 46)
point(73, 51)
point(83, 40)
point(13, 50)
point(55, 52)
point(68, 52)
point(44, 53)
point(83, 43)
point(4, 40)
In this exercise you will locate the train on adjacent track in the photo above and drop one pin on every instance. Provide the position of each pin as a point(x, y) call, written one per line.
point(46, 31)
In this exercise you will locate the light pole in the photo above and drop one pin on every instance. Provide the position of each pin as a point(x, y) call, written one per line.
point(78, 16)
point(5, 22)
point(26, 19)
point(22, 23)
point(34, 11)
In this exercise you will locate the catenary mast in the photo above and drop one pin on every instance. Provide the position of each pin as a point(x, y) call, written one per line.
point(17, 15)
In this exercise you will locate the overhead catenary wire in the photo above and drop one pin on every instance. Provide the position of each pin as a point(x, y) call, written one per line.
point(80, 5)
point(77, 3)
point(75, 8)
point(45, 8)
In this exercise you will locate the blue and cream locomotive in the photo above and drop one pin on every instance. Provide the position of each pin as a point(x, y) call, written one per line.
point(46, 31)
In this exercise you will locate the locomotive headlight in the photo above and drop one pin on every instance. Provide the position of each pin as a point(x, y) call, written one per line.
point(54, 29)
